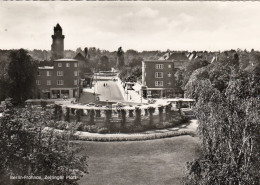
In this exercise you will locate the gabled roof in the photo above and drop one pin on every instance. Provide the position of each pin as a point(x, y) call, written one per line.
point(178, 56)
point(174, 56)
point(80, 57)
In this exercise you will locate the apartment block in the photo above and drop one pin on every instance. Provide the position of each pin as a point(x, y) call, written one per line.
point(58, 81)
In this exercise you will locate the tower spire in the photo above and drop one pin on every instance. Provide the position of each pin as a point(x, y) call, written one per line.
point(57, 46)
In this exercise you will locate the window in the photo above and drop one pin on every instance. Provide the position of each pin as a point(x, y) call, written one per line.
point(159, 75)
point(38, 82)
point(48, 73)
point(169, 66)
point(75, 73)
point(75, 82)
point(159, 66)
point(38, 73)
point(169, 74)
point(75, 64)
point(158, 83)
point(59, 73)
point(48, 82)
point(169, 83)
point(59, 82)
point(59, 64)
point(67, 64)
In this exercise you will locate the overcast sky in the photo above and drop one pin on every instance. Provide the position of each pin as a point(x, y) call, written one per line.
point(132, 25)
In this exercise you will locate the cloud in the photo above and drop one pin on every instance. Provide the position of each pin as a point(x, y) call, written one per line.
point(136, 25)
point(147, 13)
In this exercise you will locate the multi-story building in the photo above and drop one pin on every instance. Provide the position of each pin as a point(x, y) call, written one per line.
point(158, 76)
point(58, 81)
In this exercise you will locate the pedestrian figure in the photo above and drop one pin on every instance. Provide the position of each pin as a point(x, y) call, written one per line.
point(104, 84)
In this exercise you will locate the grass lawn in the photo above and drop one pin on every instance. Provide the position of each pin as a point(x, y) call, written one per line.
point(152, 162)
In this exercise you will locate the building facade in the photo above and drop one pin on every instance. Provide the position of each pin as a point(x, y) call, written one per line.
point(58, 81)
point(158, 76)
point(57, 47)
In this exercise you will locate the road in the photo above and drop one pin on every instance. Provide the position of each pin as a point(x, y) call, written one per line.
point(110, 92)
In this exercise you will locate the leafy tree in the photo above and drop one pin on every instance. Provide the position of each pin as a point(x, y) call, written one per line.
point(27, 149)
point(137, 61)
point(86, 52)
point(189, 69)
point(229, 127)
point(79, 50)
point(123, 73)
point(103, 64)
point(21, 72)
point(4, 78)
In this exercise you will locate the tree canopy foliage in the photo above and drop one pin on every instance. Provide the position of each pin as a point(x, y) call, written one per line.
point(104, 64)
point(18, 76)
point(29, 149)
point(227, 108)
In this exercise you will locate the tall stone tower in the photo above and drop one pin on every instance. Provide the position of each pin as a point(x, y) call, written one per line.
point(57, 47)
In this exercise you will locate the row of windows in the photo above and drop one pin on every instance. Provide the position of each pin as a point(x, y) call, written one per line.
point(160, 75)
point(67, 64)
point(59, 82)
point(161, 66)
point(160, 83)
point(59, 73)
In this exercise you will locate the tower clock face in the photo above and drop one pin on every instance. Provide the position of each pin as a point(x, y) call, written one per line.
point(57, 41)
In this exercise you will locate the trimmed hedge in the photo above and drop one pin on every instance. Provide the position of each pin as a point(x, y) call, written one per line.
point(136, 137)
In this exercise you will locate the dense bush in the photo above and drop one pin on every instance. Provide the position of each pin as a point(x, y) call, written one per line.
point(62, 125)
point(160, 125)
point(102, 130)
point(80, 126)
point(91, 128)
